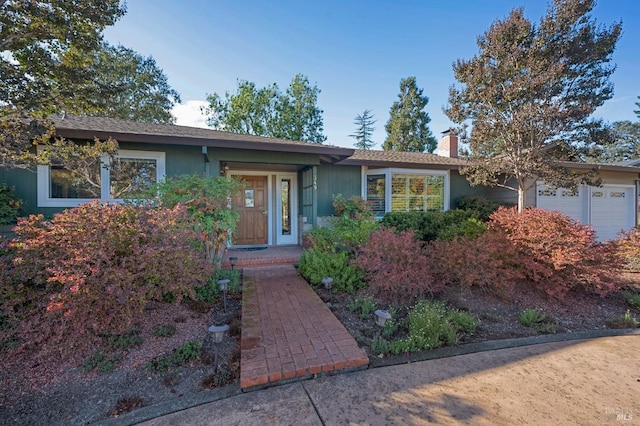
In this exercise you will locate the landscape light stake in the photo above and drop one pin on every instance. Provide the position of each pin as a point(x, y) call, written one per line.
point(222, 285)
point(233, 261)
point(218, 332)
point(381, 319)
point(328, 281)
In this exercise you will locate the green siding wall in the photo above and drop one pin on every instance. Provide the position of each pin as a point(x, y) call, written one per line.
point(460, 188)
point(345, 180)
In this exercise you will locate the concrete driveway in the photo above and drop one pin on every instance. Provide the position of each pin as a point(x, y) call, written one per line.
point(582, 382)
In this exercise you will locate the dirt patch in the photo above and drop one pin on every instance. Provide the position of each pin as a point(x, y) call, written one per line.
point(37, 393)
point(497, 318)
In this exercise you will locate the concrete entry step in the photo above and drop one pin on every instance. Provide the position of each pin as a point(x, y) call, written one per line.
point(288, 332)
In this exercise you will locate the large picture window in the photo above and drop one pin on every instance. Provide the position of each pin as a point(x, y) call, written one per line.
point(130, 174)
point(406, 190)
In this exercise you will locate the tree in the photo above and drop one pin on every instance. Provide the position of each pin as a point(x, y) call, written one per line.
point(407, 128)
point(268, 112)
point(625, 145)
point(35, 81)
point(364, 130)
point(123, 84)
point(298, 115)
point(529, 94)
point(250, 110)
point(637, 111)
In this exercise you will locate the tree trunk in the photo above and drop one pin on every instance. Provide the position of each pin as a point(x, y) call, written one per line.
point(522, 193)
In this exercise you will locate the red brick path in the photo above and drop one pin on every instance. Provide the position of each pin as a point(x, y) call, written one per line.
point(288, 332)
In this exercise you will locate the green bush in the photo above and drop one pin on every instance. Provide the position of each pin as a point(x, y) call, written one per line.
point(9, 205)
point(364, 307)
point(164, 331)
point(632, 297)
point(427, 226)
point(102, 362)
point(127, 340)
point(469, 228)
point(483, 207)
point(532, 317)
point(183, 354)
point(315, 264)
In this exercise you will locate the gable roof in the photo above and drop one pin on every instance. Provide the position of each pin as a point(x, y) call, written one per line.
point(375, 158)
point(74, 127)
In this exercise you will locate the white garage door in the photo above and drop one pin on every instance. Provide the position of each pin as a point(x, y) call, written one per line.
point(608, 209)
point(612, 210)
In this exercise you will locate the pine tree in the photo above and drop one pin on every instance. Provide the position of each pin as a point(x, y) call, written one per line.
point(407, 128)
point(364, 130)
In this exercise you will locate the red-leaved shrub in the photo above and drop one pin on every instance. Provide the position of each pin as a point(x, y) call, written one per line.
point(93, 269)
point(397, 267)
point(484, 262)
point(629, 249)
point(555, 253)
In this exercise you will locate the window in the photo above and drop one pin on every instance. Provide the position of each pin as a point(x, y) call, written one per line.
point(376, 194)
point(406, 190)
point(131, 173)
point(417, 192)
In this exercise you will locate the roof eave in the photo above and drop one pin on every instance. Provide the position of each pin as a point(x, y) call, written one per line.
point(330, 153)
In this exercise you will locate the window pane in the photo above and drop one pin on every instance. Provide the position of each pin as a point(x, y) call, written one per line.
point(285, 184)
point(64, 184)
point(417, 192)
point(131, 177)
point(375, 194)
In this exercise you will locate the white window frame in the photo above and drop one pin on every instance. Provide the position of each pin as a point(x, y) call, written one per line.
point(388, 174)
point(44, 179)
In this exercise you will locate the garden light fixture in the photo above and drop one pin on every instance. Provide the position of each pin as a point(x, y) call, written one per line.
point(382, 317)
point(328, 281)
point(218, 332)
point(223, 285)
point(233, 261)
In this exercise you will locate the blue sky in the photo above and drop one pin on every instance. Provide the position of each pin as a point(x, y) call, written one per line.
point(356, 52)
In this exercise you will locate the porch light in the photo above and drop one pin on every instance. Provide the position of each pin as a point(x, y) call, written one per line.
point(382, 317)
point(233, 261)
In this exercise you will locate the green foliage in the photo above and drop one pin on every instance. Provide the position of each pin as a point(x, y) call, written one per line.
point(431, 324)
point(183, 354)
point(138, 89)
point(429, 226)
point(407, 128)
point(546, 81)
point(91, 270)
point(364, 130)
point(234, 286)
point(207, 201)
point(532, 317)
point(125, 341)
point(468, 229)
point(292, 115)
point(632, 297)
point(315, 264)
point(380, 345)
point(364, 307)
point(625, 146)
point(483, 207)
point(627, 320)
point(9, 205)
point(49, 39)
point(353, 208)
point(101, 361)
point(164, 331)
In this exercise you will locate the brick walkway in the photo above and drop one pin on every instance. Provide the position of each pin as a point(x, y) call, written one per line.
point(288, 332)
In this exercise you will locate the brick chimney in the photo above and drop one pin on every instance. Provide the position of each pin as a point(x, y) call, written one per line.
point(448, 145)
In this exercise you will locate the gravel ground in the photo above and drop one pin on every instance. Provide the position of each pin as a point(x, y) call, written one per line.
point(33, 392)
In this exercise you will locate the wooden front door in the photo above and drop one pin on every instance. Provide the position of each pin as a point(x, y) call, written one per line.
point(253, 208)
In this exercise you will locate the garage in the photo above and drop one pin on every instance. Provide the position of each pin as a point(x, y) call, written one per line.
point(608, 209)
